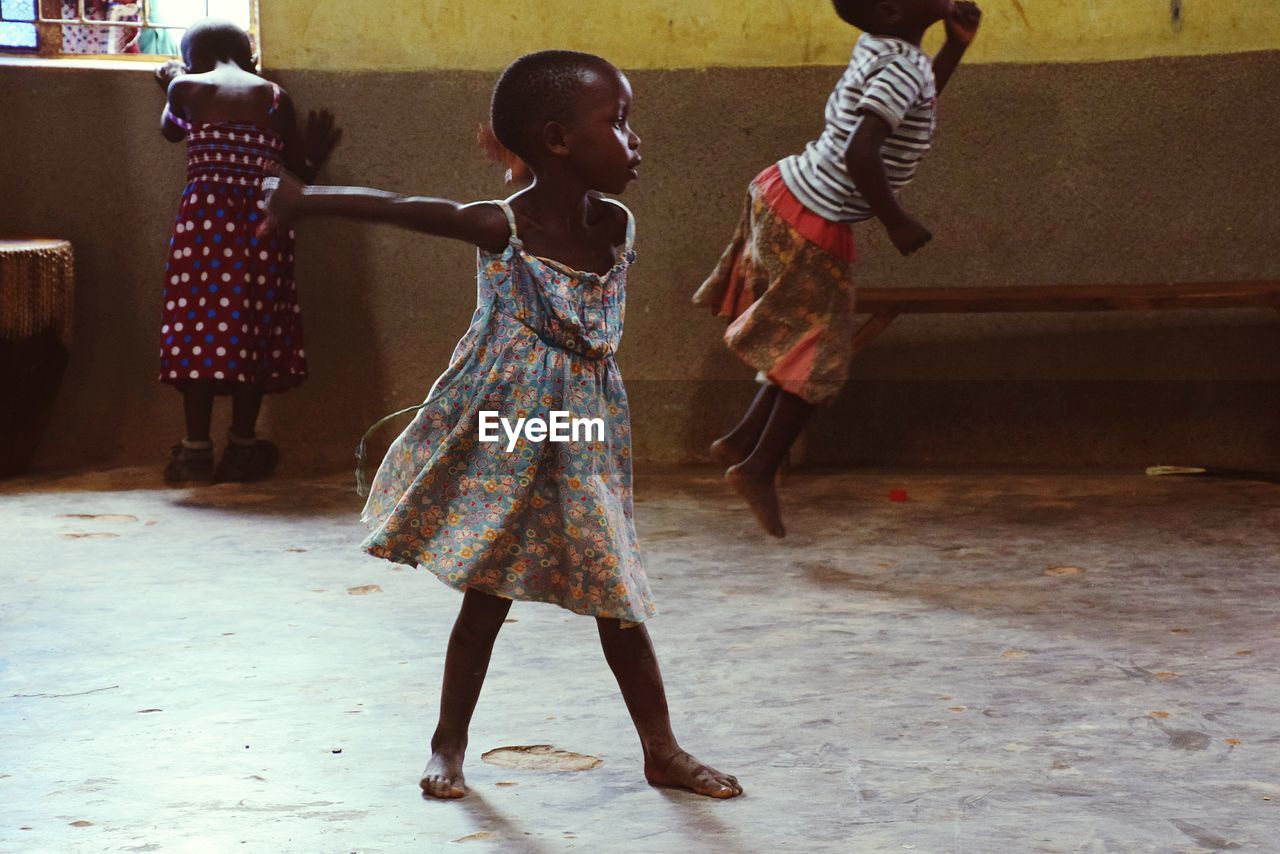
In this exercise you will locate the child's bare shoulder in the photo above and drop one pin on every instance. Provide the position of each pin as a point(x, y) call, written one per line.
point(183, 86)
point(484, 224)
point(486, 213)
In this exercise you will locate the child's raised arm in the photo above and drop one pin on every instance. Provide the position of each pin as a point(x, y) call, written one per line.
point(481, 224)
point(962, 25)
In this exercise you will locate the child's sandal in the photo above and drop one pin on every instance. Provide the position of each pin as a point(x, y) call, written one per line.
point(189, 464)
point(243, 462)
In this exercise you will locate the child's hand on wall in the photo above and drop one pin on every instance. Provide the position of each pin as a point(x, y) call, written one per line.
point(319, 138)
point(963, 21)
point(166, 73)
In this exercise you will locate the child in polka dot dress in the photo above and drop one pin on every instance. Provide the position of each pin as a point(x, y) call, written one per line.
point(231, 322)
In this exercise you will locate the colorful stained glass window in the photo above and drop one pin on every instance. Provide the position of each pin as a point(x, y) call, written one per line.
point(111, 27)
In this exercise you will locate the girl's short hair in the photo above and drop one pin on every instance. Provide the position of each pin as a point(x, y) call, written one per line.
point(535, 89)
point(217, 40)
point(859, 13)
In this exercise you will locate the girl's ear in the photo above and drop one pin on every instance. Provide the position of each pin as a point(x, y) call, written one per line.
point(555, 138)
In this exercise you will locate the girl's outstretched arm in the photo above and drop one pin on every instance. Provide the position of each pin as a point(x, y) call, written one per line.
point(962, 25)
point(481, 224)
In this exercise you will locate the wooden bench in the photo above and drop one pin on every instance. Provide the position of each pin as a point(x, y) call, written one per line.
point(884, 305)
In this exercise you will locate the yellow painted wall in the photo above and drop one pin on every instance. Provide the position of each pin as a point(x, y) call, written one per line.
point(486, 34)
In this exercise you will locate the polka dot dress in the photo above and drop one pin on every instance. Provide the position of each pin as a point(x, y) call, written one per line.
point(230, 311)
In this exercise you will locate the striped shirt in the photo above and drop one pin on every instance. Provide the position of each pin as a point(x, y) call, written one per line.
point(894, 80)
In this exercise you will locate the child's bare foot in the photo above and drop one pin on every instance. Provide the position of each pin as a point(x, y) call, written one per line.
point(442, 778)
point(725, 452)
point(761, 497)
point(683, 771)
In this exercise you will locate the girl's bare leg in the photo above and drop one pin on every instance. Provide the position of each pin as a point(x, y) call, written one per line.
point(738, 443)
point(753, 478)
point(635, 665)
point(465, 665)
point(197, 408)
point(246, 402)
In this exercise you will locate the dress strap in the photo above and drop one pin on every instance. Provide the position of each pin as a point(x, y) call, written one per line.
point(174, 118)
point(631, 223)
point(276, 92)
point(511, 219)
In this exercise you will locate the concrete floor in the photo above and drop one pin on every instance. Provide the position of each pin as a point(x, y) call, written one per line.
point(1003, 663)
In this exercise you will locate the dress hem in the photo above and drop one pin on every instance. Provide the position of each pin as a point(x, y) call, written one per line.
point(627, 622)
point(223, 387)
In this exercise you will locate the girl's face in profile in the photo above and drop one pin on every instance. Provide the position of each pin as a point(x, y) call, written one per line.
point(604, 148)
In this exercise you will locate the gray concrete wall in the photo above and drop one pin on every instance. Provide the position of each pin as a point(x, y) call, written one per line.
point(1161, 170)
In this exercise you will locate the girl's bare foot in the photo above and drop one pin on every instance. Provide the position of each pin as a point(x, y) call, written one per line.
point(683, 771)
point(761, 496)
point(442, 778)
point(725, 452)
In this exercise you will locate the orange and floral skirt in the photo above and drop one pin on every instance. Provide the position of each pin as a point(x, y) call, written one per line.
point(785, 283)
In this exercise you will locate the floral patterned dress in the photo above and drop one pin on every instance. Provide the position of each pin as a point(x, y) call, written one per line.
point(546, 521)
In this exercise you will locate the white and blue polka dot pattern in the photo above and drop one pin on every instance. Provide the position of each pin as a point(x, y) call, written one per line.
point(230, 310)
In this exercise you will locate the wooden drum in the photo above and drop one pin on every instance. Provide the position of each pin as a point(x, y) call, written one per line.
point(37, 279)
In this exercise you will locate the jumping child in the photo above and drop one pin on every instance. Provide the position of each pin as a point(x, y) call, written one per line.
point(231, 323)
point(545, 521)
point(785, 280)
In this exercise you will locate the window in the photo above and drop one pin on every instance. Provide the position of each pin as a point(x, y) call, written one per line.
point(109, 29)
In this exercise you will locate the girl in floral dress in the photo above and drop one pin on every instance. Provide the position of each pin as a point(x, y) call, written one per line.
point(544, 521)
